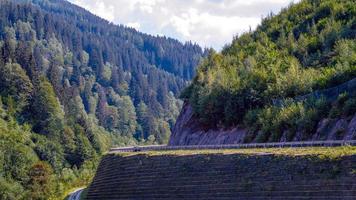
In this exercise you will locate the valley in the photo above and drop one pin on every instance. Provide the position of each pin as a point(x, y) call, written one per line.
point(87, 103)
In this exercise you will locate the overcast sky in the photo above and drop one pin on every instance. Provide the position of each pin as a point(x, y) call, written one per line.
point(210, 23)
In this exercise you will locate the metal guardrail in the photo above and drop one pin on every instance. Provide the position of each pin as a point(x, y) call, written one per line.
point(327, 143)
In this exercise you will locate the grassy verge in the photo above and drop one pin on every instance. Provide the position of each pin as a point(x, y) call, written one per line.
point(327, 152)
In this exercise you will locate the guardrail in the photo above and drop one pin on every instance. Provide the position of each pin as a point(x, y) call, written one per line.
point(327, 143)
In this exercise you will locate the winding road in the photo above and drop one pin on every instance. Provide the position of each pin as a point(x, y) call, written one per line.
point(75, 195)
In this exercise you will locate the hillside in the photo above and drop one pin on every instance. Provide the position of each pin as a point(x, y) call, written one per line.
point(72, 85)
point(299, 173)
point(255, 88)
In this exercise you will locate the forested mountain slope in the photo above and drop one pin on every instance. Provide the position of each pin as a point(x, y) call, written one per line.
point(307, 47)
point(73, 84)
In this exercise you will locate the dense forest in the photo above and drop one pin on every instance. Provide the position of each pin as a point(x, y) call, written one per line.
point(307, 47)
point(71, 86)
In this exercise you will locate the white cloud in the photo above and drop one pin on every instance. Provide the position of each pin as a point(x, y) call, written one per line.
point(148, 5)
point(99, 8)
point(210, 23)
point(134, 25)
point(206, 28)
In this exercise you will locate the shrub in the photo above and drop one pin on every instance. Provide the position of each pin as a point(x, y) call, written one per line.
point(10, 190)
point(40, 183)
point(349, 107)
point(271, 122)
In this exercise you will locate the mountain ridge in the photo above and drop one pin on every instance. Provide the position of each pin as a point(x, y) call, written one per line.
point(307, 47)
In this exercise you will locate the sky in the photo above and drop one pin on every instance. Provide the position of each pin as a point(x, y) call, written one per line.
point(210, 23)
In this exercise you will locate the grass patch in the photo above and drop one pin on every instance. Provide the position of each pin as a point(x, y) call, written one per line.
point(322, 152)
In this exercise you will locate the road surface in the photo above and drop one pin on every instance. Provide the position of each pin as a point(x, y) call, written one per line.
point(75, 195)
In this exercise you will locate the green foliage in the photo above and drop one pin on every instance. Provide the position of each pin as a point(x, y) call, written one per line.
point(127, 119)
point(84, 150)
point(15, 83)
point(276, 123)
point(10, 190)
point(143, 120)
point(40, 181)
point(344, 106)
point(47, 109)
point(349, 107)
point(49, 150)
point(68, 93)
point(71, 72)
point(306, 47)
point(15, 149)
point(32, 178)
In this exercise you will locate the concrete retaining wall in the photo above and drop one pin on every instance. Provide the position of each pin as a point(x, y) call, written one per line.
point(226, 177)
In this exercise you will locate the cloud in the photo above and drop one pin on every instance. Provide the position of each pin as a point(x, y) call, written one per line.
point(208, 29)
point(135, 25)
point(99, 8)
point(210, 23)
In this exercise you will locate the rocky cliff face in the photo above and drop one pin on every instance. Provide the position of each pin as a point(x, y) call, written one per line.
point(188, 131)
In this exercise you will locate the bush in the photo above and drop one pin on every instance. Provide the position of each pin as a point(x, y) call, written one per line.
point(50, 151)
point(271, 122)
point(345, 105)
point(10, 190)
point(40, 184)
point(334, 112)
point(349, 107)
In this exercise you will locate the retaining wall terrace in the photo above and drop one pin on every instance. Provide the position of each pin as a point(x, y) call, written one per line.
point(223, 176)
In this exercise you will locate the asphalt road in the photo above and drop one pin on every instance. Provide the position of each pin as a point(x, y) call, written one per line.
point(75, 195)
